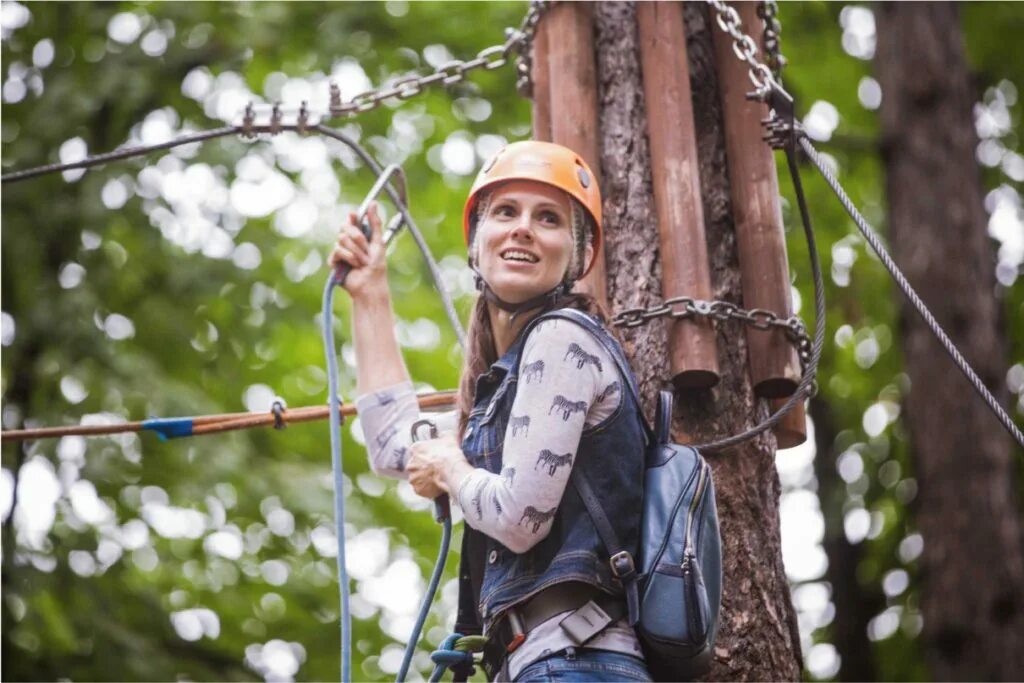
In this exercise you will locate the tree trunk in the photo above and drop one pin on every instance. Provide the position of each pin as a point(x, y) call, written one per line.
point(972, 595)
point(855, 604)
point(758, 637)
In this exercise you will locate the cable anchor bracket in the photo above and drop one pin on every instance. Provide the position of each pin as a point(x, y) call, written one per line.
point(782, 129)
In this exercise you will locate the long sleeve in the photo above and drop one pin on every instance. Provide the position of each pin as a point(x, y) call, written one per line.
point(386, 417)
point(567, 382)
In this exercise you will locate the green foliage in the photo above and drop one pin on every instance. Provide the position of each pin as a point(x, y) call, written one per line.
point(129, 299)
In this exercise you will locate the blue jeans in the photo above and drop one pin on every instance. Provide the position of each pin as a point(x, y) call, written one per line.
point(585, 664)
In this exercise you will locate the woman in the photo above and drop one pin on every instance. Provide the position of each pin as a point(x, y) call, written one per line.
point(538, 399)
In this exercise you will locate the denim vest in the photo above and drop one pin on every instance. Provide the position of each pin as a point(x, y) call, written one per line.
point(492, 578)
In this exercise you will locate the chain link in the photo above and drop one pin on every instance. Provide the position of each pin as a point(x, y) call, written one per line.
point(679, 307)
point(518, 41)
point(745, 48)
point(768, 11)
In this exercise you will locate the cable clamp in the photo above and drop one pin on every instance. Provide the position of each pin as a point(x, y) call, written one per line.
point(248, 119)
point(275, 119)
point(278, 408)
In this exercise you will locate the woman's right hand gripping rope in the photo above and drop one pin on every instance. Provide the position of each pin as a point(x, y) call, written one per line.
point(365, 256)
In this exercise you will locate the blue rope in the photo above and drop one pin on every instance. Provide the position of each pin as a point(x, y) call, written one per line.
point(447, 657)
point(441, 514)
point(339, 491)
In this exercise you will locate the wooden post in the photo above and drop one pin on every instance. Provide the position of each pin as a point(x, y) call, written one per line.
point(764, 269)
point(674, 169)
point(791, 430)
point(761, 241)
point(540, 75)
point(572, 79)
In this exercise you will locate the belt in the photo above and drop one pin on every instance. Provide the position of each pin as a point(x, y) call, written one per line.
point(590, 611)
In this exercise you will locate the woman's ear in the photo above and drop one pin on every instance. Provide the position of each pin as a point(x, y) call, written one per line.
point(588, 255)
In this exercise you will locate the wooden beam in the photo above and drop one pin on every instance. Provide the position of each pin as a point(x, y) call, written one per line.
point(572, 76)
point(540, 75)
point(761, 241)
point(791, 430)
point(677, 196)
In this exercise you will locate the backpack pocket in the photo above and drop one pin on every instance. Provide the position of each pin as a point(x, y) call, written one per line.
point(677, 619)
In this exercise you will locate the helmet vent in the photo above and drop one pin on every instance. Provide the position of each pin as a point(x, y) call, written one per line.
point(583, 176)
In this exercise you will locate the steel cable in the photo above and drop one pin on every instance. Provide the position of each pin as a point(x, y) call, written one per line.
point(805, 388)
point(119, 154)
point(897, 275)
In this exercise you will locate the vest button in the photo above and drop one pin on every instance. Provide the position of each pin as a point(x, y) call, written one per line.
point(493, 557)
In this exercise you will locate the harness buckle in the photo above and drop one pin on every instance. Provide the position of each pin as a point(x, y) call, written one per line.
point(586, 622)
point(623, 566)
point(515, 623)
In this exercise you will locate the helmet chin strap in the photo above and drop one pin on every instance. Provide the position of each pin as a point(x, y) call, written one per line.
point(548, 298)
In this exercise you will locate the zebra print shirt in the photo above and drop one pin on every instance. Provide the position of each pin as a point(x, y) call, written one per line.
point(567, 382)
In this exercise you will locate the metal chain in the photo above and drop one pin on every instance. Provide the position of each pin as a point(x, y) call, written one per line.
point(768, 11)
point(679, 307)
point(745, 49)
point(518, 40)
point(524, 46)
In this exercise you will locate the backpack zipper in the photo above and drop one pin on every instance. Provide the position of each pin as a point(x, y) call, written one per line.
point(694, 504)
point(689, 557)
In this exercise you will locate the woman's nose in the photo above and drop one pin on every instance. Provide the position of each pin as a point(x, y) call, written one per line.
point(522, 228)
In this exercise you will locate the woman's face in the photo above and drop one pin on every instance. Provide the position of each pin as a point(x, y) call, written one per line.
point(525, 239)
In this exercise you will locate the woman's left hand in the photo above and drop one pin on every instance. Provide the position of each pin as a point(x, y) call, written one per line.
point(432, 464)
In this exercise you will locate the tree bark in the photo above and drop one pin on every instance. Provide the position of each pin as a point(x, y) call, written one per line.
point(758, 637)
point(972, 595)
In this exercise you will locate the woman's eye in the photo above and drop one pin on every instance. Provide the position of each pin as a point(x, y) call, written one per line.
point(504, 210)
point(550, 218)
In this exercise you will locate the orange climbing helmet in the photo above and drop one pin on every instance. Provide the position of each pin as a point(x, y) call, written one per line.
point(544, 162)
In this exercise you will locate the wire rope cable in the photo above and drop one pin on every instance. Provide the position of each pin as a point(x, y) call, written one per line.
point(897, 275)
point(806, 386)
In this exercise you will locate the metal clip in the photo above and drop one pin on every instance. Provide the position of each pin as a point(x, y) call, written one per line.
point(415, 430)
point(247, 121)
point(275, 119)
point(622, 565)
point(335, 105)
point(278, 408)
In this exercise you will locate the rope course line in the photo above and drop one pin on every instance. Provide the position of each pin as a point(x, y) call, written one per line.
point(912, 296)
point(200, 425)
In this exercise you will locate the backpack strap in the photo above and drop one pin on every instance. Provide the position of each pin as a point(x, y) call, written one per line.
point(621, 561)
